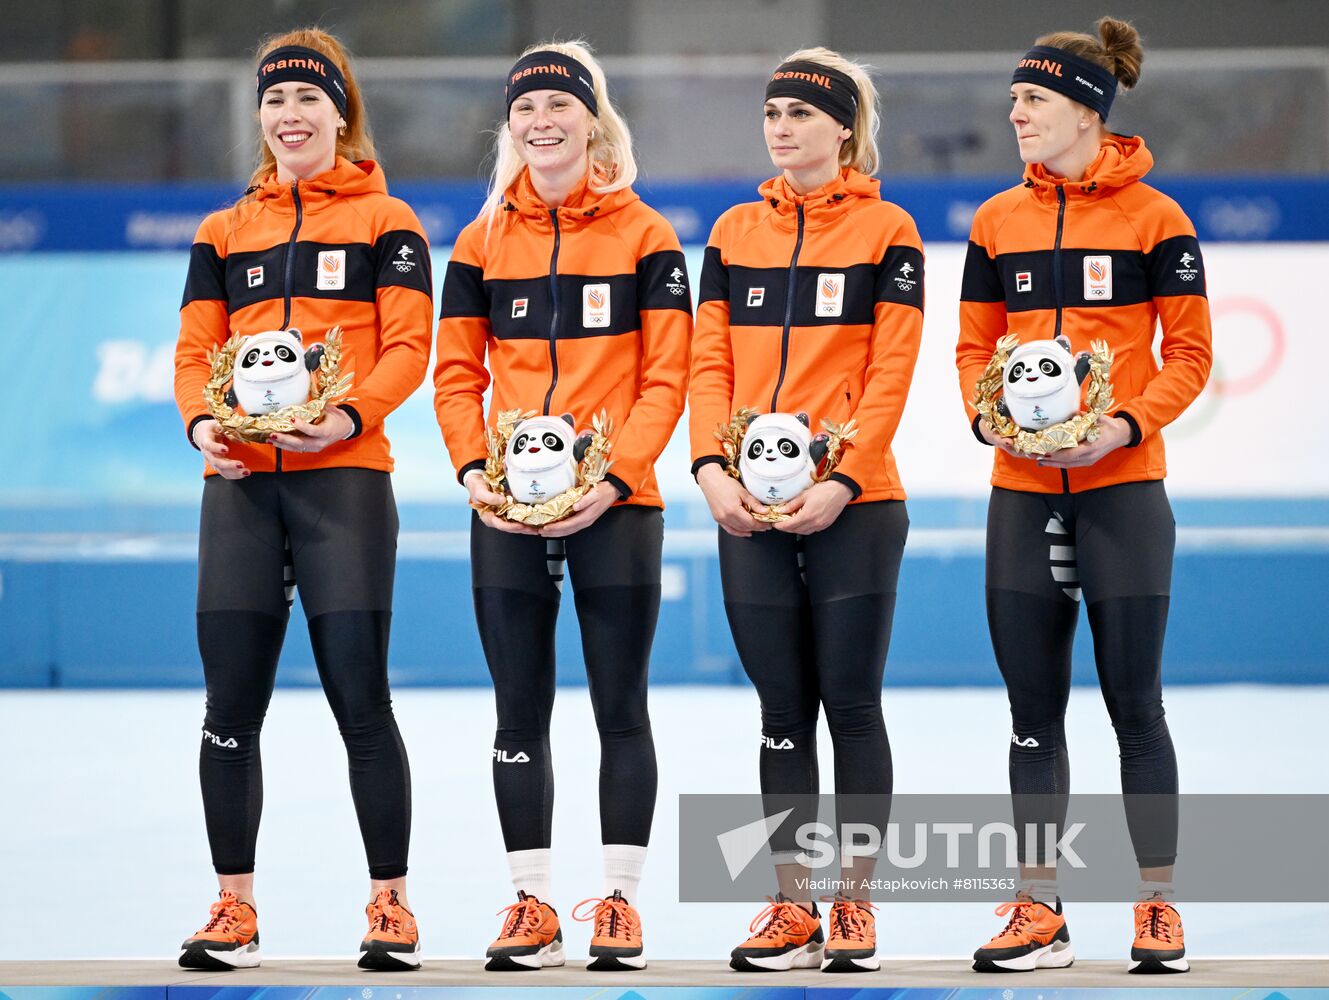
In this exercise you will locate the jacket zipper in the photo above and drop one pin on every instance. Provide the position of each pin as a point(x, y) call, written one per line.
point(1057, 283)
point(290, 268)
point(553, 321)
point(788, 312)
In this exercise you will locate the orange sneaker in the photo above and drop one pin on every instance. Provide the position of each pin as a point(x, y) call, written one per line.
point(229, 940)
point(531, 938)
point(851, 945)
point(790, 938)
point(1159, 945)
point(1034, 938)
point(616, 944)
point(393, 941)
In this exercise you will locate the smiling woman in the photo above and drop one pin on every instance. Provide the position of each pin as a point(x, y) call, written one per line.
point(572, 295)
point(314, 243)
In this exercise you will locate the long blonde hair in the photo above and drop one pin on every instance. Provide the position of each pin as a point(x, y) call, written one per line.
point(860, 149)
point(610, 149)
point(355, 143)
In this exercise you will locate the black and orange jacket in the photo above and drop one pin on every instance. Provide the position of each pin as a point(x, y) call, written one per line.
point(581, 309)
point(335, 250)
point(811, 303)
point(1102, 258)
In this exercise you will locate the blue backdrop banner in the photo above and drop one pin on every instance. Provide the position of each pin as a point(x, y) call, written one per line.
point(165, 217)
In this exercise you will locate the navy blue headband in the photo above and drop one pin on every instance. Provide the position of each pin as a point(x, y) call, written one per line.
point(822, 87)
point(1066, 73)
point(551, 71)
point(295, 62)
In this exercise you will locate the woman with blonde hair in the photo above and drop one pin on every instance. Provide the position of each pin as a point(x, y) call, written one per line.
point(811, 311)
point(569, 295)
point(1082, 250)
point(316, 242)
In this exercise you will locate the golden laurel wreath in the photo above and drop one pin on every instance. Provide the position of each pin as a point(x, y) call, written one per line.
point(1068, 433)
point(591, 470)
point(731, 436)
point(331, 383)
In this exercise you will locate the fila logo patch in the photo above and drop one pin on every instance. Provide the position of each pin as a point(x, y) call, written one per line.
point(1027, 742)
point(830, 294)
point(1098, 278)
point(507, 757)
point(756, 296)
point(331, 270)
point(1024, 281)
point(519, 308)
point(254, 276)
point(595, 306)
point(227, 744)
point(770, 743)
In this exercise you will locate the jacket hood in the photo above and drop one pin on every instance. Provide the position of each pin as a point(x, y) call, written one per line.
point(823, 204)
point(582, 205)
point(1121, 160)
point(345, 179)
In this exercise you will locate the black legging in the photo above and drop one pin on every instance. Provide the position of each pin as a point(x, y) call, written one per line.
point(615, 570)
point(1114, 546)
point(811, 618)
point(341, 527)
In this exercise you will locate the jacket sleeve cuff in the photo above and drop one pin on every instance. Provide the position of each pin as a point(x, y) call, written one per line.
point(624, 490)
point(844, 480)
point(189, 431)
point(1136, 436)
point(706, 460)
point(477, 466)
point(354, 414)
point(977, 433)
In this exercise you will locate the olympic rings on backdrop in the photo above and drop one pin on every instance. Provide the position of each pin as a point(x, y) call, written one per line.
point(1277, 346)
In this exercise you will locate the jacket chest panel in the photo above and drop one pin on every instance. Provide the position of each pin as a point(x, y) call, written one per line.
point(339, 271)
point(826, 295)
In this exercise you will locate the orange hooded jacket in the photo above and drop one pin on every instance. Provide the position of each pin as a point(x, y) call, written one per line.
point(580, 309)
point(811, 303)
point(1106, 258)
point(334, 250)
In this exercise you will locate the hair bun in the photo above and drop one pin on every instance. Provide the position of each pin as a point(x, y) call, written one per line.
point(1121, 44)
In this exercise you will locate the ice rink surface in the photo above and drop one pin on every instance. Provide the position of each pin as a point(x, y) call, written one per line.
point(104, 842)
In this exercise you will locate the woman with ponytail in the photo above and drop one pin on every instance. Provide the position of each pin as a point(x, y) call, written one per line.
point(569, 295)
point(316, 242)
point(811, 311)
point(1082, 251)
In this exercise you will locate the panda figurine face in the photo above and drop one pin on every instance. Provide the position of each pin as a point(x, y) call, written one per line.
point(539, 461)
point(1040, 384)
point(270, 372)
point(777, 464)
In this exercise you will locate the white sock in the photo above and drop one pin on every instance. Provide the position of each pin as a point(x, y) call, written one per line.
point(623, 865)
point(530, 872)
point(1041, 890)
point(1148, 890)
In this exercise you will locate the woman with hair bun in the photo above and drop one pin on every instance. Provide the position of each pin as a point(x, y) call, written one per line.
point(1084, 250)
point(315, 242)
point(570, 294)
point(811, 310)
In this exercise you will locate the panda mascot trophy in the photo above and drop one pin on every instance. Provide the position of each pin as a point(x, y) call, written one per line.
point(261, 382)
point(776, 457)
point(540, 467)
point(1030, 393)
